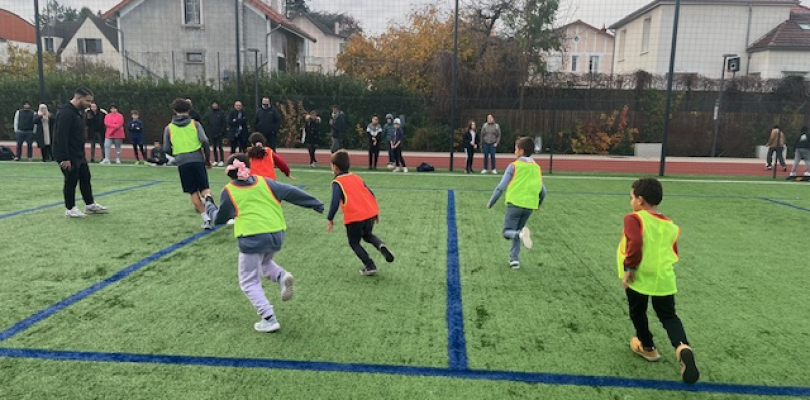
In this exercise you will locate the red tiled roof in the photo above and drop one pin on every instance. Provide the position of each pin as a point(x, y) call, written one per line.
point(789, 35)
point(14, 28)
point(261, 6)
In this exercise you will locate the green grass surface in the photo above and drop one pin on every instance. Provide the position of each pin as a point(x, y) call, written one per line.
point(741, 296)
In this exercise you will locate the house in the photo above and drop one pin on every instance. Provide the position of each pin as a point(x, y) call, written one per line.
point(15, 31)
point(195, 40)
point(785, 50)
point(707, 30)
point(321, 55)
point(585, 50)
point(92, 42)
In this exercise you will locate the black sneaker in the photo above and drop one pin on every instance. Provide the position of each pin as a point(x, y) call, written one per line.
point(368, 271)
point(209, 199)
point(387, 253)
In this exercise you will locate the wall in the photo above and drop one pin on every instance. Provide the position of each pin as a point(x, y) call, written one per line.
point(772, 64)
point(591, 43)
point(88, 30)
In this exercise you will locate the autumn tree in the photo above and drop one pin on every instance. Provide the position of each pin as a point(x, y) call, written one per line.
point(22, 64)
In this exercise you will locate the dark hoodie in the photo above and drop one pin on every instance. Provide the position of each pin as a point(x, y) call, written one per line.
point(68, 140)
point(187, 158)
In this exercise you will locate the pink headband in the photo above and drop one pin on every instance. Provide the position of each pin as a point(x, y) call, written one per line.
point(242, 171)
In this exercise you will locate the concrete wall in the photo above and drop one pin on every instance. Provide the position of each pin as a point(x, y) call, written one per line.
point(774, 64)
point(88, 30)
point(322, 55)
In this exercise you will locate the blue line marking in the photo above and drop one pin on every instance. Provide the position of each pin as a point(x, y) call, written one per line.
point(403, 370)
point(76, 297)
point(781, 203)
point(46, 206)
point(456, 344)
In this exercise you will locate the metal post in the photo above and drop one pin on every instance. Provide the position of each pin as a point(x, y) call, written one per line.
point(256, 78)
point(238, 53)
point(39, 53)
point(219, 74)
point(718, 106)
point(454, 83)
point(668, 104)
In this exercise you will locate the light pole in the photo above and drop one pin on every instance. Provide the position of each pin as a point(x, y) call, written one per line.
point(256, 78)
point(454, 84)
point(719, 104)
point(668, 103)
point(238, 53)
point(39, 53)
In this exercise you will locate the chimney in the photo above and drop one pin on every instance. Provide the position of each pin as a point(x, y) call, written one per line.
point(337, 28)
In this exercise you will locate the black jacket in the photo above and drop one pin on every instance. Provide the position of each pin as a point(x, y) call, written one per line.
point(195, 115)
point(313, 129)
point(68, 141)
point(467, 140)
point(267, 121)
point(39, 133)
point(217, 123)
point(234, 123)
point(339, 125)
point(803, 144)
point(25, 122)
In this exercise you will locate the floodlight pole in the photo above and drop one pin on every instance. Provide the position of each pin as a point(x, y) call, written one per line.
point(238, 53)
point(454, 83)
point(719, 104)
point(39, 53)
point(668, 104)
point(256, 78)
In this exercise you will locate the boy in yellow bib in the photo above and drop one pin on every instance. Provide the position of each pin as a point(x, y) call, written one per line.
point(255, 204)
point(646, 255)
point(523, 183)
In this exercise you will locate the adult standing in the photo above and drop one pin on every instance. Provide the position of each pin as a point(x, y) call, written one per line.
point(268, 122)
point(238, 128)
point(338, 123)
point(193, 112)
point(312, 131)
point(114, 122)
point(802, 152)
point(776, 144)
point(490, 137)
point(68, 151)
point(388, 131)
point(24, 129)
point(470, 141)
point(217, 123)
point(43, 132)
point(94, 119)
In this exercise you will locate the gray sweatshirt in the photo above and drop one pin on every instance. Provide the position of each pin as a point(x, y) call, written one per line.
point(491, 133)
point(187, 158)
point(264, 242)
point(507, 177)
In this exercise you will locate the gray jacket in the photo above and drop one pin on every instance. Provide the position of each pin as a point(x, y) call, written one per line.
point(491, 133)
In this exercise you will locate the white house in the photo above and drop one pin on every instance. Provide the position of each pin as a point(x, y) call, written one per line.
point(785, 50)
point(195, 40)
point(15, 31)
point(585, 50)
point(321, 55)
point(93, 42)
point(707, 30)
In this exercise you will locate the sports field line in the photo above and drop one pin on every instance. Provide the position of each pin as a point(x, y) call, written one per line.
point(456, 343)
point(781, 203)
point(60, 203)
point(403, 370)
point(78, 296)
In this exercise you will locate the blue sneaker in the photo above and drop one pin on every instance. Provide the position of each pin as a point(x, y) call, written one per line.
point(286, 283)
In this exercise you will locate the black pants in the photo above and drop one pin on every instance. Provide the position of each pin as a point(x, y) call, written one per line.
point(46, 153)
point(470, 154)
point(243, 143)
point(777, 151)
point(357, 231)
point(400, 162)
point(135, 147)
point(96, 138)
point(28, 138)
point(79, 173)
point(664, 307)
point(373, 154)
point(219, 152)
point(311, 148)
point(272, 140)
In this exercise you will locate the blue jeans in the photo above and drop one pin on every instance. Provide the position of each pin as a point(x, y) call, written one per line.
point(513, 222)
point(489, 153)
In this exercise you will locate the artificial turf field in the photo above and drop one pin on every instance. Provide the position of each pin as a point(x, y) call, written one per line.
point(142, 304)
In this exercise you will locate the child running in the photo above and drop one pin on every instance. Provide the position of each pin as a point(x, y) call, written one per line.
point(646, 255)
point(264, 160)
point(255, 203)
point(360, 212)
point(523, 184)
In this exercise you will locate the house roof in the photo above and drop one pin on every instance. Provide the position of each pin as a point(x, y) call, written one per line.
point(14, 28)
point(789, 36)
point(655, 3)
point(588, 26)
point(323, 28)
point(61, 29)
point(110, 33)
point(268, 11)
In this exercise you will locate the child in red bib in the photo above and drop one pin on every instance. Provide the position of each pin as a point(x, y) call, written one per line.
point(264, 160)
point(360, 212)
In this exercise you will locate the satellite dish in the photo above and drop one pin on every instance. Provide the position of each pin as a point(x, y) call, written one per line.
point(60, 17)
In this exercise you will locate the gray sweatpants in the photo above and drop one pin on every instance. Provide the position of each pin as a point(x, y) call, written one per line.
point(801, 154)
point(252, 268)
point(108, 145)
point(513, 222)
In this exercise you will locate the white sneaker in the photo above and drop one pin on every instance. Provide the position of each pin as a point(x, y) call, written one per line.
point(264, 325)
point(807, 174)
point(105, 162)
point(231, 221)
point(74, 213)
point(118, 161)
point(405, 170)
point(95, 208)
point(397, 169)
point(514, 264)
point(222, 163)
point(494, 172)
point(286, 283)
point(526, 237)
point(390, 166)
point(483, 171)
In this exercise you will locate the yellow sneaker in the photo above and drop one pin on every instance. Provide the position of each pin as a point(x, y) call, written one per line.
point(638, 348)
point(689, 370)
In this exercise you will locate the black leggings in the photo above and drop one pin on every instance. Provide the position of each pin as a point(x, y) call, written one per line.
point(400, 162)
point(311, 148)
point(78, 173)
point(357, 231)
point(373, 154)
point(135, 147)
point(664, 307)
point(219, 152)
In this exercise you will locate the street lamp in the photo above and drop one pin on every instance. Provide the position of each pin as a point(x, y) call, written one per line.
point(256, 77)
point(719, 104)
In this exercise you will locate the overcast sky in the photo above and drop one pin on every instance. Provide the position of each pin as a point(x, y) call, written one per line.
point(374, 15)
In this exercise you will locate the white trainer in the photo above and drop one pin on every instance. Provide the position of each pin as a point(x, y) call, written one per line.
point(95, 208)
point(494, 172)
point(74, 213)
point(397, 169)
point(514, 264)
point(405, 170)
point(265, 326)
point(118, 161)
point(286, 283)
point(483, 171)
point(105, 162)
point(525, 236)
point(231, 221)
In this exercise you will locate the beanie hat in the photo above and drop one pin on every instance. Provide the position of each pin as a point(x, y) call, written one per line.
point(396, 121)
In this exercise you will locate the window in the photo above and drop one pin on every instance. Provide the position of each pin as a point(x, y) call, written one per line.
point(574, 60)
point(593, 64)
point(342, 47)
point(645, 38)
point(805, 27)
point(49, 45)
point(622, 41)
point(195, 57)
point(802, 74)
point(192, 12)
point(89, 46)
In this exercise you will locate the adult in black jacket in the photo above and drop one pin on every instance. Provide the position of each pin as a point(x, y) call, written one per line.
point(268, 122)
point(312, 130)
point(44, 128)
point(238, 128)
point(471, 141)
point(338, 123)
point(216, 127)
point(94, 118)
point(68, 151)
point(193, 113)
